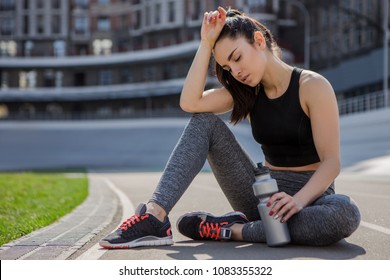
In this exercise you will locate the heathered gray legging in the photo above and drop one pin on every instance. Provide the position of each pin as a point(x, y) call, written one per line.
point(329, 219)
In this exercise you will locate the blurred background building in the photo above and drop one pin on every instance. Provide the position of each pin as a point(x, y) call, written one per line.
point(72, 59)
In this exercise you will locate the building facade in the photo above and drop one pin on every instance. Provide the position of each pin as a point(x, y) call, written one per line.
point(123, 58)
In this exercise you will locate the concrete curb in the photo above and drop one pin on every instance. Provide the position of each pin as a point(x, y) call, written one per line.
point(63, 238)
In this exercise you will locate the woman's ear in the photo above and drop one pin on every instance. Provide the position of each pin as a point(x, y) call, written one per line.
point(259, 39)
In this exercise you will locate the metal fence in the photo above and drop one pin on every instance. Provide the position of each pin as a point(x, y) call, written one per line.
point(366, 102)
point(346, 106)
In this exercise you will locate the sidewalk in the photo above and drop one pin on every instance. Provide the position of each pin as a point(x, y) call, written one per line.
point(65, 237)
point(76, 235)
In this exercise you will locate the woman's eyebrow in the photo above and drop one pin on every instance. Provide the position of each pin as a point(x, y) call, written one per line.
point(230, 57)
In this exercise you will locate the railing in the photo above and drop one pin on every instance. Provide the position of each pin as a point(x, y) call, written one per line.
point(366, 102)
point(352, 105)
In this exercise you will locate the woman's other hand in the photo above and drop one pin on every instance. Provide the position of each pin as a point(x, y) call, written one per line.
point(283, 206)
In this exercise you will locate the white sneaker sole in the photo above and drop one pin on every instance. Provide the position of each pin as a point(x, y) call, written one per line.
point(143, 241)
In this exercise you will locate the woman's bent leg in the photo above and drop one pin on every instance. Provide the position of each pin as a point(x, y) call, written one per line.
point(207, 136)
point(328, 220)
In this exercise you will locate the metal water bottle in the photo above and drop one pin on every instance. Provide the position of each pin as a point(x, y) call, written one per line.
point(264, 187)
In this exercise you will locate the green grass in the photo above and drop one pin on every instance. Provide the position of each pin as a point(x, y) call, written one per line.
point(29, 201)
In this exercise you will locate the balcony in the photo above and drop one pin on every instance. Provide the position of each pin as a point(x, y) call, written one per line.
point(142, 56)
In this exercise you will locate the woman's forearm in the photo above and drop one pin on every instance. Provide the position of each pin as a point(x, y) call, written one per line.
point(319, 182)
point(196, 78)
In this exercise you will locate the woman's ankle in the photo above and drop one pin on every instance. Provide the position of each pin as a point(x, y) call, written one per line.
point(156, 210)
point(237, 231)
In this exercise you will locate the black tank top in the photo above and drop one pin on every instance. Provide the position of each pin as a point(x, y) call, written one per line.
point(282, 128)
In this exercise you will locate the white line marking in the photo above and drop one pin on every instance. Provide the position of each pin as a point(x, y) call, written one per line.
point(380, 196)
point(95, 252)
point(375, 227)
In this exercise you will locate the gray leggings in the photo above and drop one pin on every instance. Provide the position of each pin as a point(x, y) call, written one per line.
point(327, 220)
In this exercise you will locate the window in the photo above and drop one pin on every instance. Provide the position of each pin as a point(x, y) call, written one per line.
point(257, 5)
point(27, 79)
point(196, 10)
point(325, 17)
point(150, 73)
point(103, 23)
point(105, 77)
point(137, 20)
point(56, 24)
point(26, 25)
point(369, 36)
point(171, 12)
point(40, 4)
point(124, 21)
point(40, 24)
point(4, 80)
point(104, 2)
point(8, 48)
point(126, 76)
point(6, 5)
point(102, 46)
point(358, 38)
point(157, 14)
point(59, 48)
point(28, 47)
point(58, 79)
point(147, 16)
point(56, 4)
point(7, 26)
point(83, 4)
point(81, 25)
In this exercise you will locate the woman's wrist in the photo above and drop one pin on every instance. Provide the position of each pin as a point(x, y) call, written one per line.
point(206, 44)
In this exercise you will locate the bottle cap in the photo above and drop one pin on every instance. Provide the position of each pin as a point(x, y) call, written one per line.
point(261, 170)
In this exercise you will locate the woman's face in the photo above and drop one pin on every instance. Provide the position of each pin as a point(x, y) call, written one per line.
point(245, 61)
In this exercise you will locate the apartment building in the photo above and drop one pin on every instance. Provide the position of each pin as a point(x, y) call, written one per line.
point(122, 57)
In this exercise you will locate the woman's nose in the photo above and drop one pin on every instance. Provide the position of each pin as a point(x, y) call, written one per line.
point(236, 72)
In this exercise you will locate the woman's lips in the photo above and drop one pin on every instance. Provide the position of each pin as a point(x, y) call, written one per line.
point(245, 78)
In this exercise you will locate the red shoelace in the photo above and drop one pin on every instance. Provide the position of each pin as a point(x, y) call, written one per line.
point(132, 221)
point(210, 230)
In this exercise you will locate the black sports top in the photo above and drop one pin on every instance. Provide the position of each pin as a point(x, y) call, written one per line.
point(282, 128)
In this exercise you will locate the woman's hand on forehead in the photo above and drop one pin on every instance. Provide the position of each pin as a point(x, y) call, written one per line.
point(212, 16)
point(213, 23)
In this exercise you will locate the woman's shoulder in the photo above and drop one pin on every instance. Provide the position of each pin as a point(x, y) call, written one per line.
point(313, 81)
point(314, 87)
point(309, 78)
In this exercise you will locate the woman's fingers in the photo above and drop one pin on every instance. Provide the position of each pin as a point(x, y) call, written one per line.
point(212, 16)
point(283, 206)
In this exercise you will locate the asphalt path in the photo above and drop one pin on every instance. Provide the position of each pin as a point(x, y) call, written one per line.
point(130, 154)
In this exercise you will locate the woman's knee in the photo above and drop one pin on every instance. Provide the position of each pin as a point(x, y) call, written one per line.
point(333, 218)
point(346, 214)
point(204, 118)
point(352, 214)
point(207, 123)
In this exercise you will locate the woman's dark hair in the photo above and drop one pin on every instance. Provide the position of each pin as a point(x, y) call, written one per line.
point(244, 96)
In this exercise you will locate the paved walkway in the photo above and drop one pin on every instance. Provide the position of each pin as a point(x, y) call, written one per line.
point(65, 237)
point(76, 235)
point(113, 196)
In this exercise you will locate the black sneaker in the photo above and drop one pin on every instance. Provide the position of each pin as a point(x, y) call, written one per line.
point(202, 225)
point(141, 229)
